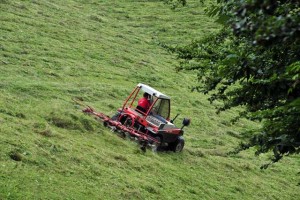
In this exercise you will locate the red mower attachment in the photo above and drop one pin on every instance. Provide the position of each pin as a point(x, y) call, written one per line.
point(146, 119)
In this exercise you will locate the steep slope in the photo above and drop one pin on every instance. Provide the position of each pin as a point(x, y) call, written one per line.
point(54, 51)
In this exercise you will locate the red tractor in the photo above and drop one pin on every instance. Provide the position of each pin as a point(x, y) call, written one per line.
point(151, 127)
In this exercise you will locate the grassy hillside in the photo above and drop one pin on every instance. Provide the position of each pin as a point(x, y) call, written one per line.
point(97, 51)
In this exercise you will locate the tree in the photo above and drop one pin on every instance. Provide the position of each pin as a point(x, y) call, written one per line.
point(254, 61)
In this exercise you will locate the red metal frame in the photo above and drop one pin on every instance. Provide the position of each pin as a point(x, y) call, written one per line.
point(119, 126)
point(126, 101)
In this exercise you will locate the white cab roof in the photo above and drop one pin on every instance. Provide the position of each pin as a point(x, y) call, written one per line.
point(152, 91)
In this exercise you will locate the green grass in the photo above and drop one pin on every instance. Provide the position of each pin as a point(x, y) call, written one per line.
point(54, 51)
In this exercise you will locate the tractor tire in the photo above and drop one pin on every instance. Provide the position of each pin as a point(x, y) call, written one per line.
point(127, 121)
point(157, 147)
point(115, 117)
point(178, 145)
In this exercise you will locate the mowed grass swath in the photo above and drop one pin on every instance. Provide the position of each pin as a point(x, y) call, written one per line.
point(97, 51)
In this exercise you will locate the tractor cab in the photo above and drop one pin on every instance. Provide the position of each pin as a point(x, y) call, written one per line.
point(158, 113)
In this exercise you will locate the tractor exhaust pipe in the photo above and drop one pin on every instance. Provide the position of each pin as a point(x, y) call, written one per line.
point(172, 121)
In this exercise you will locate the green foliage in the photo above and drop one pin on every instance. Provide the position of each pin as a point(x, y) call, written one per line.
point(255, 64)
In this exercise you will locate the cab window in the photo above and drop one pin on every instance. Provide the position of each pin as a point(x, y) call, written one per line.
point(162, 108)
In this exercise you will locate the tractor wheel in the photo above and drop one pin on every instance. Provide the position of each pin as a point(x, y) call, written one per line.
point(156, 147)
point(115, 116)
point(127, 121)
point(178, 145)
